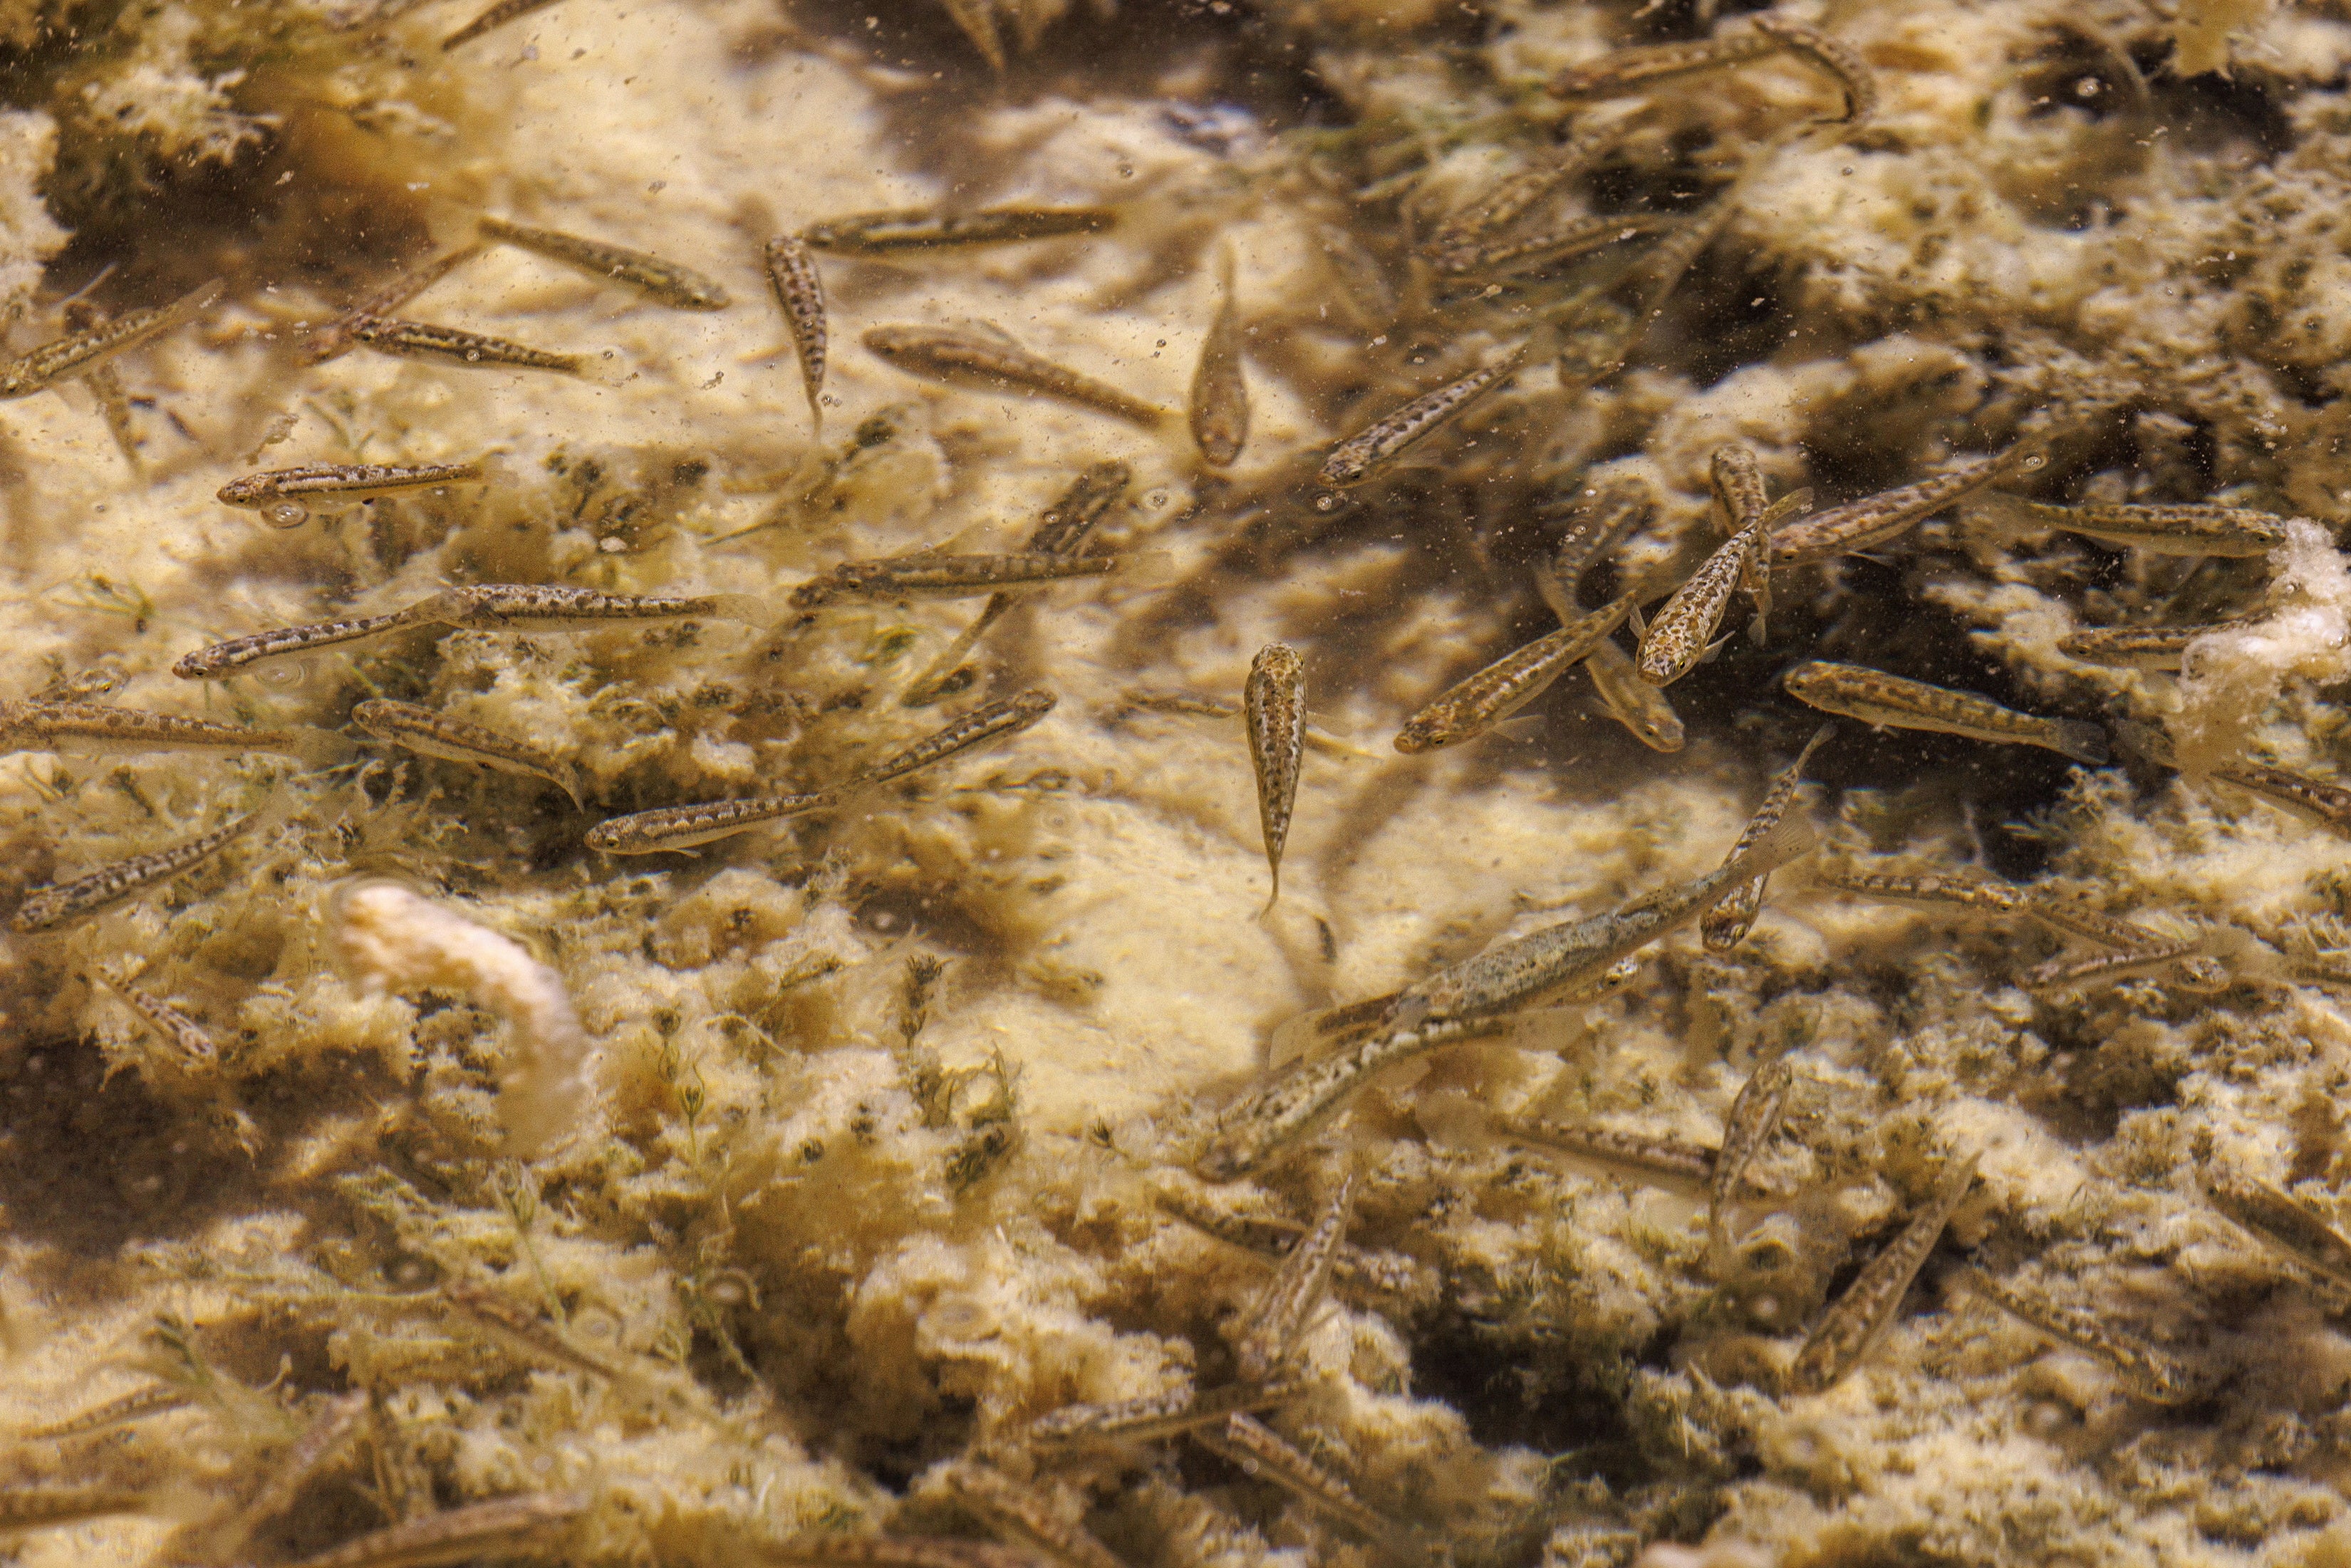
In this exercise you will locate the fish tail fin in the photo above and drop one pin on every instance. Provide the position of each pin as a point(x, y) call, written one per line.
point(1147, 568)
point(1794, 837)
point(2082, 741)
point(747, 608)
point(321, 748)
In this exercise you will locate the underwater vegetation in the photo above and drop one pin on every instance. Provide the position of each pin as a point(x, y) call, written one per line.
point(949, 786)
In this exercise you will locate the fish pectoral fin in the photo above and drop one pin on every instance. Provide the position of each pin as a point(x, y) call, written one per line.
point(1713, 649)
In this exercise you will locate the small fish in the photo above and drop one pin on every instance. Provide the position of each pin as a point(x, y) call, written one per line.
point(497, 16)
point(875, 234)
point(1884, 701)
point(664, 282)
point(2191, 530)
point(2076, 919)
point(2287, 1223)
point(1724, 926)
point(2069, 973)
point(1873, 519)
point(1924, 891)
point(105, 385)
point(1754, 1116)
point(1062, 530)
point(2141, 647)
point(94, 729)
point(969, 358)
point(680, 827)
point(1602, 522)
point(1269, 1345)
point(155, 1399)
point(994, 721)
point(546, 607)
point(521, 1330)
point(1451, 249)
point(930, 575)
point(1829, 54)
point(1650, 1155)
point(1273, 708)
point(1022, 1511)
point(174, 1027)
point(423, 341)
point(2146, 1371)
point(1186, 705)
point(1272, 1238)
point(334, 338)
point(339, 1420)
point(798, 289)
point(431, 734)
point(39, 1505)
point(1220, 404)
point(1736, 478)
point(1846, 1331)
point(504, 1527)
point(1642, 66)
point(1631, 701)
point(79, 353)
point(2320, 802)
point(1466, 998)
point(56, 906)
point(1474, 706)
point(1264, 1455)
point(1682, 636)
point(1576, 238)
point(279, 493)
point(1153, 1416)
point(1367, 451)
point(227, 658)
point(1329, 1030)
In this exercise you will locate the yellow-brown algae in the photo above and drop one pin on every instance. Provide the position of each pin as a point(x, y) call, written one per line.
point(664, 282)
point(155, 1399)
point(992, 721)
point(1019, 1508)
point(525, 1524)
point(672, 829)
point(930, 575)
point(1375, 446)
point(335, 338)
point(338, 1421)
point(1652, 1156)
point(1465, 998)
point(968, 359)
point(450, 345)
point(876, 234)
point(95, 729)
point(1269, 1342)
point(548, 607)
point(1873, 519)
point(1266, 1456)
point(838, 1549)
point(1923, 890)
point(2189, 530)
point(44, 1506)
point(174, 1027)
point(798, 289)
point(1726, 925)
point(279, 492)
point(1631, 701)
point(2287, 1224)
point(2140, 647)
point(1273, 708)
point(497, 16)
point(1884, 701)
point(1220, 408)
point(432, 733)
point(79, 354)
point(52, 906)
point(1863, 1312)
point(2145, 1371)
point(1062, 530)
point(1153, 1416)
point(1475, 705)
point(227, 658)
point(1754, 1116)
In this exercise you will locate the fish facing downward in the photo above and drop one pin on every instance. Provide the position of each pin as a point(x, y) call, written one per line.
point(1273, 704)
point(1894, 702)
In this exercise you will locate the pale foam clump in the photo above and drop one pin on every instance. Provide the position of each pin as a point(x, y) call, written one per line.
point(391, 939)
point(2230, 677)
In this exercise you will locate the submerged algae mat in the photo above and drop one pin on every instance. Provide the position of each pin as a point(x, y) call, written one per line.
point(896, 1104)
